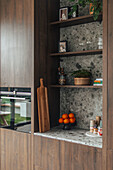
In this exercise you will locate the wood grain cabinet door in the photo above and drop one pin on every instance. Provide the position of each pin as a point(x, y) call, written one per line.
point(17, 39)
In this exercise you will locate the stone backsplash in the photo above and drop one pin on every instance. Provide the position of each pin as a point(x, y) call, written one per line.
point(85, 103)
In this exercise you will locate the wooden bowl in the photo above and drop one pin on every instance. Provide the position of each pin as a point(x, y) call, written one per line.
point(81, 81)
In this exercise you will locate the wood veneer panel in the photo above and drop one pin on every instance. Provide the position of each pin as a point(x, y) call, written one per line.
point(53, 62)
point(16, 43)
point(15, 150)
point(88, 52)
point(72, 86)
point(59, 155)
point(110, 160)
point(40, 50)
point(75, 21)
point(105, 84)
point(110, 75)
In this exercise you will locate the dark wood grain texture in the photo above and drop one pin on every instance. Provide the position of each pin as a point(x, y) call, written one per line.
point(105, 84)
point(53, 63)
point(40, 49)
point(110, 75)
point(43, 109)
point(75, 21)
point(72, 86)
point(59, 155)
point(88, 52)
point(16, 43)
point(15, 150)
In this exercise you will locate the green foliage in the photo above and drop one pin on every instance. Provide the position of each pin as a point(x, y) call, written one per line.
point(18, 119)
point(96, 8)
point(81, 74)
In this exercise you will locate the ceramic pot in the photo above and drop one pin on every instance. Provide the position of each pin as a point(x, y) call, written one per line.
point(81, 81)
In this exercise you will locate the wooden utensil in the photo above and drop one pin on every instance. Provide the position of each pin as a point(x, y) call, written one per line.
point(43, 108)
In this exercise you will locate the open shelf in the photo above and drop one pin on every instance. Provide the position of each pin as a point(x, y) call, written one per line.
point(73, 86)
point(76, 21)
point(87, 52)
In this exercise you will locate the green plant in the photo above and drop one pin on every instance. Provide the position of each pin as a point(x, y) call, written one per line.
point(96, 8)
point(81, 74)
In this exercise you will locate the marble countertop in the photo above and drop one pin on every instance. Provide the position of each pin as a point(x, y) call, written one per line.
point(74, 135)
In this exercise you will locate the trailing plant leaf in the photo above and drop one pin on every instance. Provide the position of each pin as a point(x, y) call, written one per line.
point(97, 6)
point(81, 74)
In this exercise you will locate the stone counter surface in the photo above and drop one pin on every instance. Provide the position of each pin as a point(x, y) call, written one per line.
point(74, 135)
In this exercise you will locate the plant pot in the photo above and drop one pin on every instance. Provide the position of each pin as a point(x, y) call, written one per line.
point(81, 81)
point(90, 6)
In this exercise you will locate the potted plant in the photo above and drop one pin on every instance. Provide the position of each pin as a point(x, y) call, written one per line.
point(95, 6)
point(81, 77)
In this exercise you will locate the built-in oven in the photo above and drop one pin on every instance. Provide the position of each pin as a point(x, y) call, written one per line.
point(15, 109)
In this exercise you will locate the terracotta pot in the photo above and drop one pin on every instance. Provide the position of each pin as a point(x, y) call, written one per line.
point(90, 6)
point(81, 81)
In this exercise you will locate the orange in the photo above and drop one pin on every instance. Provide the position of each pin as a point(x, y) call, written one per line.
point(65, 116)
point(66, 121)
point(61, 120)
point(71, 115)
point(72, 120)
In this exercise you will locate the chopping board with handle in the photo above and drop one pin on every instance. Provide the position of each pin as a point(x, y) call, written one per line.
point(43, 108)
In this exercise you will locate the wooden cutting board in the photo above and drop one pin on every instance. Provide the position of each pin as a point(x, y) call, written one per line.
point(43, 108)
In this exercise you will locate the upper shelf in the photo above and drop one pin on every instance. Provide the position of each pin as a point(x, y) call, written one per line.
point(87, 52)
point(76, 21)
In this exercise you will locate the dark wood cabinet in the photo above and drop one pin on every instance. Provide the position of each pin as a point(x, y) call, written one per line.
point(53, 154)
point(17, 43)
point(15, 150)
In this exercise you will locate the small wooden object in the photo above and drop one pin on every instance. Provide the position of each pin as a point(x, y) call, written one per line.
point(81, 81)
point(43, 108)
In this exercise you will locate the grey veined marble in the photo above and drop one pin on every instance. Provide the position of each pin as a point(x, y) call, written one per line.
point(85, 103)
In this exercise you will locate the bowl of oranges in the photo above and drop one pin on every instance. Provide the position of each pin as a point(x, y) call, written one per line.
point(67, 120)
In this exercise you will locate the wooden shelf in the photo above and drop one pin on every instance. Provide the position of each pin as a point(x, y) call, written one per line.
point(88, 52)
point(76, 21)
point(73, 86)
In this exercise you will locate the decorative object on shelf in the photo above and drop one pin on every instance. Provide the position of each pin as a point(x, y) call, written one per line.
point(73, 14)
point(95, 127)
point(100, 43)
point(100, 129)
point(92, 123)
point(63, 13)
point(62, 79)
point(67, 120)
point(43, 108)
point(96, 6)
point(62, 46)
point(91, 9)
point(92, 135)
point(98, 82)
point(82, 77)
point(98, 118)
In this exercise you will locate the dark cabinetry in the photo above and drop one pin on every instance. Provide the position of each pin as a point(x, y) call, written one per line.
point(16, 43)
point(59, 155)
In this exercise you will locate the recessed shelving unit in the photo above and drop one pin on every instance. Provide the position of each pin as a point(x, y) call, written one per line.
point(76, 21)
point(87, 52)
point(72, 86)
point(54, 58)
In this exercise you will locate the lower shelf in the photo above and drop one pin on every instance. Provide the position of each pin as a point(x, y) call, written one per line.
point(73, 86)
point(74, 135)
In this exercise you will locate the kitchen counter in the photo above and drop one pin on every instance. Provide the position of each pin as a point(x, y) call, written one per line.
point(74, 135)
